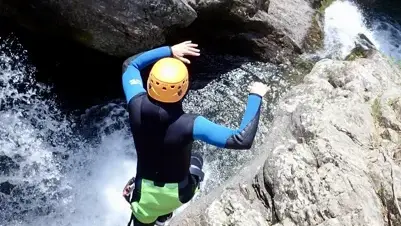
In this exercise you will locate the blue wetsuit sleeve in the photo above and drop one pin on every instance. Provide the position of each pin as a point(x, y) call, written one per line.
point(132, 81)
point(224, 137)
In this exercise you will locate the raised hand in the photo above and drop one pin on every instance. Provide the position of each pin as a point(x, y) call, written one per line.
point(183, 49)
point(259, 88)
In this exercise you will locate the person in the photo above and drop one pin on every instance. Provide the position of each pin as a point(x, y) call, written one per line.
point(168, 174)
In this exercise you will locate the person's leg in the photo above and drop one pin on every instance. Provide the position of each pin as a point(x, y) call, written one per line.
point(161, 221)
point(132, 193)
point(187, 192)
point(196, 168)
point(138, 223)
point(189, 187)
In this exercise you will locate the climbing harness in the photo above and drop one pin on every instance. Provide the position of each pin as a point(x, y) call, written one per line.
point(127, 193)
point(128, 189)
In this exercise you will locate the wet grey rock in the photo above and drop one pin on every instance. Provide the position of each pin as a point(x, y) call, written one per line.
point(116, 27)
point(7, 165)
point(272, 30)
point(324, 161)
point(6, 187)
point(363, 48)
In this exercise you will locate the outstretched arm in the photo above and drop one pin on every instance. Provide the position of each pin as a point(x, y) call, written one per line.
point(224, 137)
point(132, 81)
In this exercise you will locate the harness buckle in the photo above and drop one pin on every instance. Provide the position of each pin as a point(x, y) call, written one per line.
point(128, 189)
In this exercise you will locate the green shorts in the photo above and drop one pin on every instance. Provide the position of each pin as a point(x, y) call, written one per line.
point(155, 201)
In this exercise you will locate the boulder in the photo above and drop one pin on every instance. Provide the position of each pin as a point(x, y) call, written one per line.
point(272, 30)
point(116, 27)
point(331, 156)
point(363, 48)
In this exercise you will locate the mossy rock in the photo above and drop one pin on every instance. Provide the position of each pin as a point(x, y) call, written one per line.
point(356, 53)
point(363, 48)
point(324, 4)
point(315, 37)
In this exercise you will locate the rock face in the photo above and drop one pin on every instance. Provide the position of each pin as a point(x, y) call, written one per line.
point(332, 156)
point(269, 29)
point(117, 27)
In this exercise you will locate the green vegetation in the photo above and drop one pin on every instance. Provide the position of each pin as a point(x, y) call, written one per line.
point(355, 54)
point(377, 112)
point(315, 36)
point(324, 4)
point(392, 102)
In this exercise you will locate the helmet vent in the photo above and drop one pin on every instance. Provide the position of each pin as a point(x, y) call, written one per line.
point(179, 87)
point(164, 88)
point(172, 87)
point(157, 83)
point(179, 92)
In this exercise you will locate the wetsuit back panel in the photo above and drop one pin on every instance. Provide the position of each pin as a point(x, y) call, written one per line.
point(163, 136)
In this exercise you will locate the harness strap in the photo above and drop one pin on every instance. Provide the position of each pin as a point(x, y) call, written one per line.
point(131, 220)
point(128, 195)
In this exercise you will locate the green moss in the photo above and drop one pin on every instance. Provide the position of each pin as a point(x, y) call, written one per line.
point(315, 35)
point(377, 112)
point(356, 53)
point(324, 4)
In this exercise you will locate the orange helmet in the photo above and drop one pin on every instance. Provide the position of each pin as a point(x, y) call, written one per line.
point(168, 80)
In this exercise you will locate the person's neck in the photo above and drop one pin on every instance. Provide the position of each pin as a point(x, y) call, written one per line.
point(167, 106)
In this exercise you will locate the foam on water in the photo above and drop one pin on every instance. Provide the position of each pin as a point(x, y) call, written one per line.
point(55, 175)
point(26, 139)
point(387, 35)
point(344, 21)
point(72, 171)
point(64, 171)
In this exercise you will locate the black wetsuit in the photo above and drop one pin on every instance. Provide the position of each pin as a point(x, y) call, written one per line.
point(164, 133)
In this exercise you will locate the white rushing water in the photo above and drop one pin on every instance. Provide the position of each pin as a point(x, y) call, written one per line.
point(344, 21)
point(55, 173)
point(57, 177)
point(387, 36)
point(59, 173)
